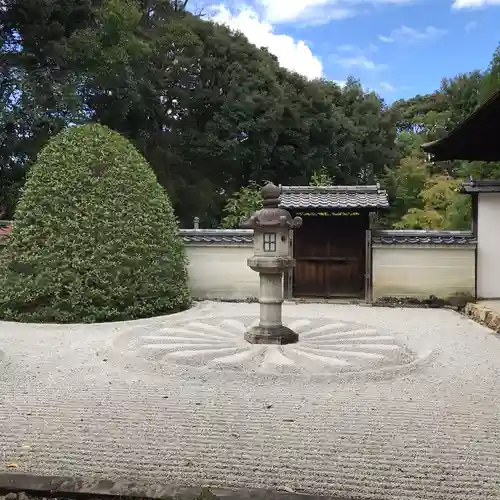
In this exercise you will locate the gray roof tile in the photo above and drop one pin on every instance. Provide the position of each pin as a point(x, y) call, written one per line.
point(334, 197)
point(422, 237)
point(217, 236)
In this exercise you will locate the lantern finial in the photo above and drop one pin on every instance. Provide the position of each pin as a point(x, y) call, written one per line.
point(271, 195)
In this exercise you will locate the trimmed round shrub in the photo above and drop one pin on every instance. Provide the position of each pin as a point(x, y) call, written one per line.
point(94, 236)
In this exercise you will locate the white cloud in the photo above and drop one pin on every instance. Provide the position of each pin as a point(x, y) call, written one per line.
point(312, 11)
point(471, 4)
point(286, 10)
point(347, 48)
point(309, 12)
point(410, 35)
point(293, 54)
point(470, 26)
point(354, 49)
point(357, 61)
point(353, 56)
point(386, 86)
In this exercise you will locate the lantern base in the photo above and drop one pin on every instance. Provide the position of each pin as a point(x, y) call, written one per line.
point(275, 335)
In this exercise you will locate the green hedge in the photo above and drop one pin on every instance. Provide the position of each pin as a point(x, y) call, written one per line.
point(94, 236)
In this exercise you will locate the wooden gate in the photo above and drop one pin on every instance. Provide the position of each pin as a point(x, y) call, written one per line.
point(330, 254)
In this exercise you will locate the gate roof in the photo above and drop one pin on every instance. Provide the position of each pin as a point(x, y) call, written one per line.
point(334, 197)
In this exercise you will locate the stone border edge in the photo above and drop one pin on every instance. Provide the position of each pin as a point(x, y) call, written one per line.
point(484, 316)
point(79, 487)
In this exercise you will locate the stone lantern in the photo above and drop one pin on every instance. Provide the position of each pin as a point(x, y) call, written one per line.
point(271, 259)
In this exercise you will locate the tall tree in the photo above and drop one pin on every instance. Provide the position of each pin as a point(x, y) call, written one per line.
point(373, 129)
point(37, 94)
point(491, 81)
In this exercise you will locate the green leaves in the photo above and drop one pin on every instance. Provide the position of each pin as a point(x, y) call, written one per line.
point(87, 248)
point(443, 207)
point(242, 205)
point(491, 81)
point(404, 184)
point(321, 177)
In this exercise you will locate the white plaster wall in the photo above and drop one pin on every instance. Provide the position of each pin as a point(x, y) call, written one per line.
point(422, 270)
point(488, 246)
point(221, 272)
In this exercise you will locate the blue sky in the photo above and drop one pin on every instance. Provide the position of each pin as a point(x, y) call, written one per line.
point(399, 48)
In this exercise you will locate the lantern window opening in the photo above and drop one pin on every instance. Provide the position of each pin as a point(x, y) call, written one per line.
point(269, 242)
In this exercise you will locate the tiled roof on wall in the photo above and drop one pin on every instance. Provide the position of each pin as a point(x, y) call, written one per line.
point(423, 237)
point(331, 197)
point(481, 186)
point(217, 236)
point(190, 236)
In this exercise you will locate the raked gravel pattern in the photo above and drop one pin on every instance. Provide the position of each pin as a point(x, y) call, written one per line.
point(327, 347)
point(420, 422)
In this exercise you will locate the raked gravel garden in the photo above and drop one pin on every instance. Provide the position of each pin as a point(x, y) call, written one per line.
point(168, 399)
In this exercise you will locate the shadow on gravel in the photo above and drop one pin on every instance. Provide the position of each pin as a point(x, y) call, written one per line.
point(31, 487)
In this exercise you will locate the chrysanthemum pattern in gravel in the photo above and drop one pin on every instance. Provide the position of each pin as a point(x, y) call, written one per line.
point(325, 346)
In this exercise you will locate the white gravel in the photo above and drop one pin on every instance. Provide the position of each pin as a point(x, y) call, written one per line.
point(78, 400)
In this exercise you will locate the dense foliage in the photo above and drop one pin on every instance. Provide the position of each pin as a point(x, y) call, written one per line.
point(212, 113)
point(425, 195)
point(94, 236)
point(209, 111)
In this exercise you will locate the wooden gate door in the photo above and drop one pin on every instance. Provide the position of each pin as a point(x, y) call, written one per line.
point(330, 255)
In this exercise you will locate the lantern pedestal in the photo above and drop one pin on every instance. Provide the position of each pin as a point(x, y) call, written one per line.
point(270, 329)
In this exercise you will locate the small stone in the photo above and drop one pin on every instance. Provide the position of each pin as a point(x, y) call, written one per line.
point(11, 496)
point(22, 496)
